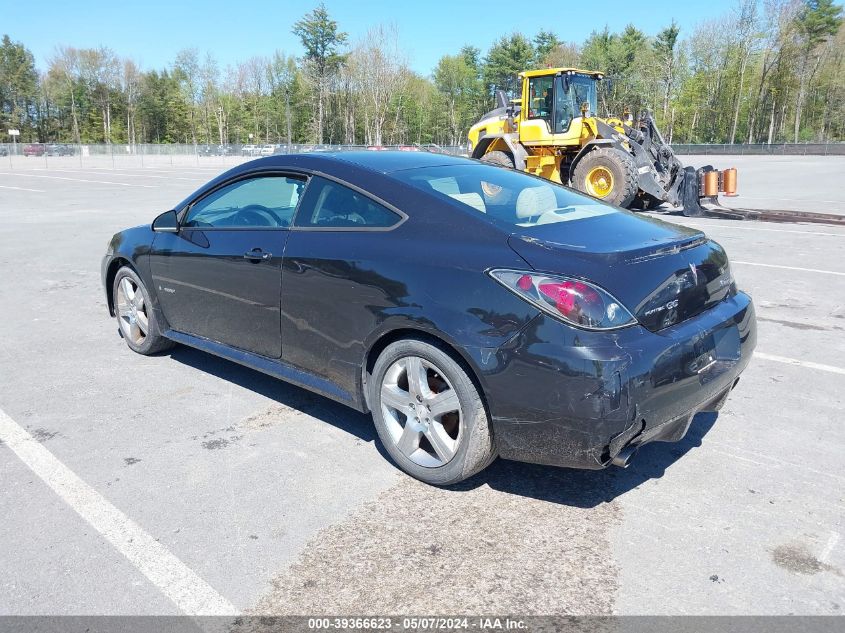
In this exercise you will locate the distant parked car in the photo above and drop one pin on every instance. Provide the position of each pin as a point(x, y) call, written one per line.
point(266, 150)
point(216, 150)
point(249, 150)
point(60, 149)
point(376, 148)
point(4, 151)
point(408, 148)
point(34, 149)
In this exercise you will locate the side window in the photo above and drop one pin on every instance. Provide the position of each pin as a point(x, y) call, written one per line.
point(540, 98)
point(260, 202)
point(328, 204)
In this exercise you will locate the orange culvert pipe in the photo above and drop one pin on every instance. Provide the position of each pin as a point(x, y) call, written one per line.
point(710, 186)
point(729, 181)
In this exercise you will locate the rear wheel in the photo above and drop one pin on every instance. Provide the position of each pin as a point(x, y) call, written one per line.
point(135, 314)
point(609, 174)
point(429, 414)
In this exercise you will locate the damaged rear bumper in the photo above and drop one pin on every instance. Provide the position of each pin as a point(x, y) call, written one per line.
point(567, 397)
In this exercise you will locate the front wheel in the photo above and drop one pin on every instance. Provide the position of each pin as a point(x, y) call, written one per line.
point(135, 314)
point(429, 414)
point(609, 174)
point(502, 159)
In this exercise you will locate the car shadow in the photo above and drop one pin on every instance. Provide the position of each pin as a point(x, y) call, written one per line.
point(323, 409)
point(579, 488)
point(589, 488)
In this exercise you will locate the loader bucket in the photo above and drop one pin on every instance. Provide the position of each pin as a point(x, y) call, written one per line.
point(699, 186)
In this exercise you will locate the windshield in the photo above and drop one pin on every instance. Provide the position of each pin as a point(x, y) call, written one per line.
point(504, 196)
point(582, 89)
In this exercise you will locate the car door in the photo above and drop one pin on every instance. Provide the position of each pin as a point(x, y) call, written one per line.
point(219, 276)
point(336, 276)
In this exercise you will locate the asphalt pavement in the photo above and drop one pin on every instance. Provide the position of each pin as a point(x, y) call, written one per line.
point(156, 485)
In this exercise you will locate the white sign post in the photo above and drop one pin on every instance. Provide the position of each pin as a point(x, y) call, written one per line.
point(14, 134)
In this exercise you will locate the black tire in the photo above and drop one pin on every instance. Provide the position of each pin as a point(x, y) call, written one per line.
point(621, 167)
point(503, 159)
point(475, 449)
point(153, 341)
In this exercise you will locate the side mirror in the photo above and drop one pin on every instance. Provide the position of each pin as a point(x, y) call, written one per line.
point(167, 222)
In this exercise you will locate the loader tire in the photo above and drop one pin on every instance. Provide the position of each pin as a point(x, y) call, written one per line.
point(498, 158)
point(609, 174)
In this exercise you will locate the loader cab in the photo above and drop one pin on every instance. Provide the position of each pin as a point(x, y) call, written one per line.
point(552, 100)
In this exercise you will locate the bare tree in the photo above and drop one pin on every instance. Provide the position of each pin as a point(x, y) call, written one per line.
point(746, 25)
point(65, 66)
point(100, 72)
point(380, 72)
point(131, 89)
point(187, 69)
point(281, 73)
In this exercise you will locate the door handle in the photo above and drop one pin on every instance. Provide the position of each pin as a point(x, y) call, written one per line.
point(256, 255)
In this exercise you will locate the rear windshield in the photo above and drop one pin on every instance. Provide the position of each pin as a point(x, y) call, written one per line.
point(504, 196)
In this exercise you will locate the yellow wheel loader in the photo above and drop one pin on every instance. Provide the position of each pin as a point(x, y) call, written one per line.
point(553, 131)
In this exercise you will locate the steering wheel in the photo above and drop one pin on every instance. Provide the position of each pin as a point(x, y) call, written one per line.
point(257, 215)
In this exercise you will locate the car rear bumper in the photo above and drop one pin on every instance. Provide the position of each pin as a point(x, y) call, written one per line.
point(567, 397)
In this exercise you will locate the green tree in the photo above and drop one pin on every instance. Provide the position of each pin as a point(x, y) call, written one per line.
point(815, 23)
point(665, 45)
point(456, 81)
point(544, 43)
point(507, 57)
point(283, 75)
point(322, 42)
point(187, 72)
point(18, 86)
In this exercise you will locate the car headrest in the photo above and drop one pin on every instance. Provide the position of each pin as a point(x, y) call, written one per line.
point(535, 201)
point(471, 200)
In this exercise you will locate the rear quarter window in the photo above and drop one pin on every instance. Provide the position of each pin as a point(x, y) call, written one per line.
point(504, 196)
point(328, 204)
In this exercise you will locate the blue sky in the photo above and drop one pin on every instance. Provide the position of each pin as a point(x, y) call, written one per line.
point(153, 31)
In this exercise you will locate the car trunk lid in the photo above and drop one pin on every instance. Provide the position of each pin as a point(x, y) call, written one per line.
point(663, 273)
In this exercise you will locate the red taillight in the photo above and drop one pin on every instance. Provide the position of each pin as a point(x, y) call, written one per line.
point(572, 298)
point(525, 282)
point(577, 302)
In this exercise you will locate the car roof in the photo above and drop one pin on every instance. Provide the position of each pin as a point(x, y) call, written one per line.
point(351, 167)
point(383, 162)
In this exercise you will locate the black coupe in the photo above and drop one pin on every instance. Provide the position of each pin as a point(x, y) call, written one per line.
point(476, 311)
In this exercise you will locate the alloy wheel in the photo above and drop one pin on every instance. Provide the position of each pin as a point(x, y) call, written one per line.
point(421, 411)
point(132, 311)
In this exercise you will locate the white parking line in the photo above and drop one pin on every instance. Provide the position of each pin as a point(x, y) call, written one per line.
point(800, 363)
point(757, 228)
point(175, 168)
point(22, 189)
point(806, 270)
point(172, 577)
point(86, 171)
point(779, 198)
point(100, 182)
